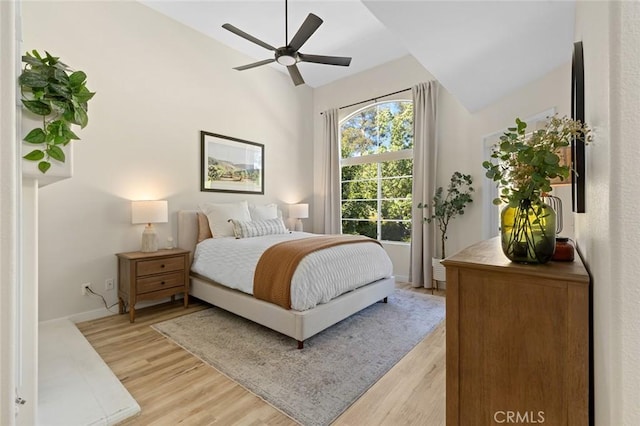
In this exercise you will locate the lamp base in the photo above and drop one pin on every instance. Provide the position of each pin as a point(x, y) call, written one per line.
point(298, 227)
point(149, 239)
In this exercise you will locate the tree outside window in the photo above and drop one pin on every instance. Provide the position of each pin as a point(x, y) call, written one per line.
point(376, 146)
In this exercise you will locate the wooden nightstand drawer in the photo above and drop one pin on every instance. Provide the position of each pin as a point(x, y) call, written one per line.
point(159, 266)
point(160, 282)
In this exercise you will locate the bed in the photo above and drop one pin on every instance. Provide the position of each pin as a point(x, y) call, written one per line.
point(297, 324)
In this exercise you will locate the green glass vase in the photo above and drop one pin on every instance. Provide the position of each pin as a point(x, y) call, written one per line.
point(528, 232)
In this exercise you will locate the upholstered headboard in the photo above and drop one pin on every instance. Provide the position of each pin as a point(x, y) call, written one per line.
point(187, 230)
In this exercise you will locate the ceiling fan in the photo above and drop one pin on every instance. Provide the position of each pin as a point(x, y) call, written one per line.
point(288, 54)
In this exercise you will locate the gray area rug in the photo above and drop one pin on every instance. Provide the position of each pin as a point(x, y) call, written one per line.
point(316, 384)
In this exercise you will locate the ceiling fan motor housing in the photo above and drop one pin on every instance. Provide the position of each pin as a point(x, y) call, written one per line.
point(286, 56)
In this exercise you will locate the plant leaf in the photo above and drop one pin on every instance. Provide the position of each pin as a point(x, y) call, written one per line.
point(28, 59)
point(60, 76)
point(551, 158)
point(37, 107)
point(83, 95)
point(36, 136)
point(60, 89)
point(58, 106)
point(43, 166)
point(77, 78)
point(56, 153)
point(68, 133)
point(80, 117)
point(32, 79)
point(35, 155)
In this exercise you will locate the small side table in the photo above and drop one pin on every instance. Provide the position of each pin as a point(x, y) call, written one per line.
point(146, 276)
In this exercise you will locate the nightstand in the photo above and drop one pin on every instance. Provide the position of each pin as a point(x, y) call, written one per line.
point(147, 276)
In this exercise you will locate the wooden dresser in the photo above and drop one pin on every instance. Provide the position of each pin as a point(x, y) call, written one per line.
point(145, 276)
point(517, 340)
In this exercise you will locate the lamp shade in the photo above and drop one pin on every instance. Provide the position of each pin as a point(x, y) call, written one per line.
point(149, 211)
point(299, 211)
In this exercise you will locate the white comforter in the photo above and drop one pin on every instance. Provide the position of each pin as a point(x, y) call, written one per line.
point(320, 276)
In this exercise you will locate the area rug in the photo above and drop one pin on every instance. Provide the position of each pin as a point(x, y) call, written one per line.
point(316, 384)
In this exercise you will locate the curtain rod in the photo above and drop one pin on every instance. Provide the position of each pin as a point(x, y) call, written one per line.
point(372, 99)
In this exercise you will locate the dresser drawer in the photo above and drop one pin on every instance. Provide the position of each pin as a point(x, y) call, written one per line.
point(160, 282)
point(159, 266)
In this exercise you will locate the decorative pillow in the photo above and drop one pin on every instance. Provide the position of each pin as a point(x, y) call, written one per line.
point(268, 211)
point(257, 228)
point(219, 215)
point(204, 232)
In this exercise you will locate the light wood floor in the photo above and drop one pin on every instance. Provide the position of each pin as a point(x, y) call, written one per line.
point(174, 387)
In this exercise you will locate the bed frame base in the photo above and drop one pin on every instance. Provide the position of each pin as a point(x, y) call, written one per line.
point(300, 325)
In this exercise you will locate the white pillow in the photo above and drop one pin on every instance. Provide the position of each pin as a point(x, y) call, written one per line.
point(220, 213)
point(268, 211)
point(258, 228)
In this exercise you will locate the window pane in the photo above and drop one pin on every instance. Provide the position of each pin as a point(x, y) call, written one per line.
point(397, 168)
point(396, 209)
point(359, 134)
point(396, 231)
point(360, 171)
point(360, 227)
point(367, 210)
point(384, 127)
point(360, 189)
point(396, 187)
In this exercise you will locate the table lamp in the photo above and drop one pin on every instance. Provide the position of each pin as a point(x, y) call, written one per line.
point(299, 211)
point(149, 212)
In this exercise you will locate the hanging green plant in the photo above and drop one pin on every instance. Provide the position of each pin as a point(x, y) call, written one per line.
point(60, 98)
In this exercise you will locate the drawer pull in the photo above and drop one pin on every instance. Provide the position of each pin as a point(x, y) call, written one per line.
point(162, 283)
point(162, 266)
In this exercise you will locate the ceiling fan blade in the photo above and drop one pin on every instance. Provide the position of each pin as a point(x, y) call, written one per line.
point(308, 27)
point(255, 64)
point(327, 60)
point(294, 72)
point(246, 36)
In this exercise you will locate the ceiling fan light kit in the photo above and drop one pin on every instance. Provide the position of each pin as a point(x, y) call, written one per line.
point(288, 55)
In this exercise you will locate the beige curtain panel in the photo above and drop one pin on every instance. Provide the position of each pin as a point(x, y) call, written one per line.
point(425, 96)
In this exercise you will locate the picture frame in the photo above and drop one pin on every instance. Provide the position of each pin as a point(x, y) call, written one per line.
point(565, 160)
point(578, 177)
point(229, 164)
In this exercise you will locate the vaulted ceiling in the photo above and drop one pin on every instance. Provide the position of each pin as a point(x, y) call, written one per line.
point(478, 50)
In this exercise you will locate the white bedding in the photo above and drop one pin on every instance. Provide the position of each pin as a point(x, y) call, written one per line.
point(320, 276)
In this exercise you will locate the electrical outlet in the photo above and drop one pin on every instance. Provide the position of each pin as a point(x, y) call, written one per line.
point(84, 288)
point(108, 284)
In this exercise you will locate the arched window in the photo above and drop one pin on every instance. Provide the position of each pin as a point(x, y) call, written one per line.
point(376, 145)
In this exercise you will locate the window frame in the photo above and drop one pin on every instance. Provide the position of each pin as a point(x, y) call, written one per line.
point(376, 159)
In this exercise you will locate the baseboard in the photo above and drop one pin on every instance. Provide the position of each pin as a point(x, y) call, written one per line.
point(402, 278)
point(104, 312)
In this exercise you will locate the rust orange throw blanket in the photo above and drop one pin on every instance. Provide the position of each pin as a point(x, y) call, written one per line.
point(272, 279)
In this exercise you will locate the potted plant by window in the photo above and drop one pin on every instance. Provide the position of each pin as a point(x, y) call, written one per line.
point(524, 163)
point(58, 99)
point(444, 208)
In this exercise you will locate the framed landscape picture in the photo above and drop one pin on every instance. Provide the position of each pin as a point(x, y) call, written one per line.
point(230, 164)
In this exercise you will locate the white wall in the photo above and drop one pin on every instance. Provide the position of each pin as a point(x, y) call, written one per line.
point(460, 134)
point(158, 84)
point(608, 233)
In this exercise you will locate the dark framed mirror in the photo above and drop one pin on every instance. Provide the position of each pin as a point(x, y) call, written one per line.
point(577, 144)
